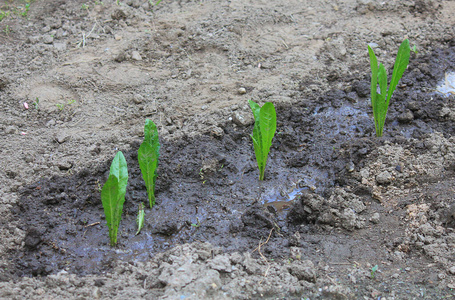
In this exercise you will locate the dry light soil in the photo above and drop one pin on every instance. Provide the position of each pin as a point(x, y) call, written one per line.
point(341, 213)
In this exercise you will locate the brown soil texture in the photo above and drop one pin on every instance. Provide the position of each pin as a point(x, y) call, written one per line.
point(341, 213)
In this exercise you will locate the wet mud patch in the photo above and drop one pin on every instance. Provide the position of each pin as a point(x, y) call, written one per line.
point(207, 190)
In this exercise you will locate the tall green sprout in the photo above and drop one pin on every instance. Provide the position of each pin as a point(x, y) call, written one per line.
point(148, 155)
point(263, 133)
point(380, 101)
point(113, 195)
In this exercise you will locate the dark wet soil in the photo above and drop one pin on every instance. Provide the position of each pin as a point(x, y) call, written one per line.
point(208, 188)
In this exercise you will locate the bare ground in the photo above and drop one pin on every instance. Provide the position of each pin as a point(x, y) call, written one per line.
point(92, 72)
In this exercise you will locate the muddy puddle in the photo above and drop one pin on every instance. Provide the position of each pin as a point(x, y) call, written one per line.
point(208, 189)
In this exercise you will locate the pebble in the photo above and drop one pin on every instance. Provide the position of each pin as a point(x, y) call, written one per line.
point(33, 39)
point(384, 178)
point(50, 123)
point(375, 218)
point(138, 98)
point(62, 137)
point(242, 91)
point(11, 130)
point(47, 39)
point(242, 120)
point(406, 117)
point(136, 56)
point(452, 270)
point(64, 165)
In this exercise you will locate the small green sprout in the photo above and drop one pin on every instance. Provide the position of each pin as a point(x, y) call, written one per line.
point(140, 218)
point(36, 103)
point(263, 132)
point(197, 224)
point(380, 101)
point(113, 195)
point(61, 106)
point(84, 6)
point(148, 155)
point(373, 271)
point(25, 12)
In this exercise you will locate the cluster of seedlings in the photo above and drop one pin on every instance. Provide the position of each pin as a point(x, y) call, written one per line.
point(114, 190)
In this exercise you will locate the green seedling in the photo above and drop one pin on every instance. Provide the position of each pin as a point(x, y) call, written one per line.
point(380, 101)
point(36, 103)
point(25, 12)
point(140, 218)
point(373, 271)
point(196, 224)
point(148, 155)
point(62, 106)
point(3, 14)
point(113, 195)
point(263, 132)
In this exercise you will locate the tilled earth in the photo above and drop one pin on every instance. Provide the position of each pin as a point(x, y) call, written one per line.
point(341, 213)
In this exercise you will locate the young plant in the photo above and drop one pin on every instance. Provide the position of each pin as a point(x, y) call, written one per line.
point(380, 101)
point(113, 195)
point(263, 132)
point(140, 218)
point(148, 154)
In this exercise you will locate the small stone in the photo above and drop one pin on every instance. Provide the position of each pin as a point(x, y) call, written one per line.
point(384, 178)
point(11, 130)
point(136, 56)
point(406, 117)
point(50, 123)
point(118, 37)
point(395, 276)
point(303, 270)
point(204, 107)
point(62, 137)
point(375, 218)
point(373, 45)
point(96, 293)
point(33, 39)
point(138, 98)
point(64, 165)
point(241, 120)
point(350, 167)
point(442, 276)
point(217, 131)
point(118, 14)
point(48, 39)
point(242, 91)
point(221, 263)
point(452, 270)
point(413, 105)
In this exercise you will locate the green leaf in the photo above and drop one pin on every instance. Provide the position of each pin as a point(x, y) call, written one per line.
point(113, 195)
point(380, 102)
point(140, 218)
point(109, 198)
point(256, 109)
point(148, 155)
point(267, 117)
point(263, 133)
point(401, 63)
point(120, 170)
